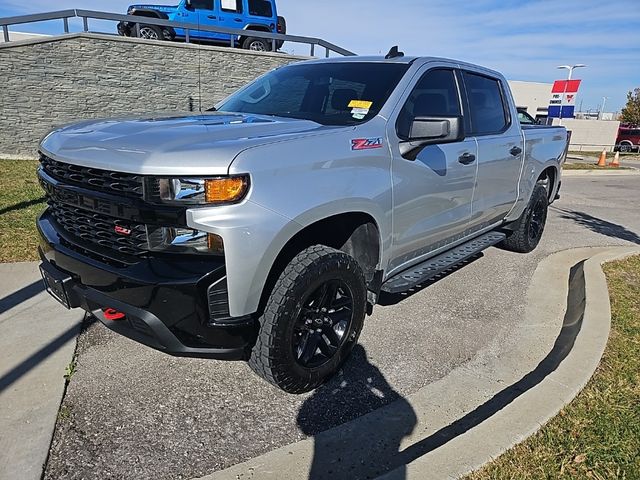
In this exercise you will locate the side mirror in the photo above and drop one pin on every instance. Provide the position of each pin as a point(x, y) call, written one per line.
point(429, 131)
point(188, 5)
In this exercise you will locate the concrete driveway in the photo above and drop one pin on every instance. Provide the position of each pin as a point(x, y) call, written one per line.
point(131, 412)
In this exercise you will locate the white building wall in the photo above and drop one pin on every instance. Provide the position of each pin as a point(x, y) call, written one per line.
point(532, 95)
point(591, 135)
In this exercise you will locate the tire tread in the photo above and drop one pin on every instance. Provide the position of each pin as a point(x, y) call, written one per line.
point(264, 359)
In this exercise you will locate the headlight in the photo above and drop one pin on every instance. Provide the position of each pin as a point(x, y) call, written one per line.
point(201, 191)
point(183, 240)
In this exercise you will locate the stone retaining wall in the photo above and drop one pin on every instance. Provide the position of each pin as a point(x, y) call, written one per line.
point(48, 82)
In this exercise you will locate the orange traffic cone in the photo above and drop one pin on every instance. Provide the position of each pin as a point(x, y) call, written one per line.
point(616, 160)
point(602, 162)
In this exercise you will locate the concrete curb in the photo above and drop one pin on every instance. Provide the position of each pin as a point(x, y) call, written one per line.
point(465, 419)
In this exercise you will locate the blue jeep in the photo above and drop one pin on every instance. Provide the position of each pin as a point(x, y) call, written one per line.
point(249, 15)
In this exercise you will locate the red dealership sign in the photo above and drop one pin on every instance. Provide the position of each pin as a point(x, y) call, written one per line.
point(566, 86)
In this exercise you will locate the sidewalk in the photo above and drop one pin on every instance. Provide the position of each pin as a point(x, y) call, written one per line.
point(37, 343)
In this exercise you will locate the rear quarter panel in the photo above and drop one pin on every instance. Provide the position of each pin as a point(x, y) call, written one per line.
point(544, 147)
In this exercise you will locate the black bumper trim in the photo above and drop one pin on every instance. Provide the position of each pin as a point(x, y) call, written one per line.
point(159, 336)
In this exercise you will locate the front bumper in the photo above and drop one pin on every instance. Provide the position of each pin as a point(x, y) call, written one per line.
point(167, 299)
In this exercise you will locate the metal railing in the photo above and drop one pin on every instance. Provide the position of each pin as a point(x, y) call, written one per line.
point(234, 33)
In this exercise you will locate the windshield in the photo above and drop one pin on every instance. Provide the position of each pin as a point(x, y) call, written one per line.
point(326, 93)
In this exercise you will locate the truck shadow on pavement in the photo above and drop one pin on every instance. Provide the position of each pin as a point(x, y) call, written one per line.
point(372, 446)
point(369, 449)
point(598, 225)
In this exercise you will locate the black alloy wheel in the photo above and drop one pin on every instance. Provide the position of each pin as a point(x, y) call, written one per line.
point(322, 324)
point(525, 234)
point(538, 218)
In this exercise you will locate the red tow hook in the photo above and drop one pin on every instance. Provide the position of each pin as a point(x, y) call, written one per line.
point(113, 315)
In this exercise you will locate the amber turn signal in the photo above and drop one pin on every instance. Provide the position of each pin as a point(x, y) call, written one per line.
point(226, 189)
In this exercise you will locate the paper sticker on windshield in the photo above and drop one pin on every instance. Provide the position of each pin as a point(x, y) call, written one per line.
point(359, 113)
point(366, 143)
point(360, 104)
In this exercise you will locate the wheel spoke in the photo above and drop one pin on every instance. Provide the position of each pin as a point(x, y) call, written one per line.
point(326, 349)
point(341, 316)
point(341, 302)
point(305, 312)
point(332, 293)
point(332, 336)
point(310, 347)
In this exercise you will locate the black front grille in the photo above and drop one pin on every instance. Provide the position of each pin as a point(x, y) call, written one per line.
point(108, 232)
point(116, 183)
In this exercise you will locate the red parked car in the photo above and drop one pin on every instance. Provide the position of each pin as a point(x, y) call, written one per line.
point(628, 139)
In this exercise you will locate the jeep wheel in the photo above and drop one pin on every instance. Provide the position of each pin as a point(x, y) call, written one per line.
point(311, 321)
point(151, 32)
point(257, 44)
point(528, 229)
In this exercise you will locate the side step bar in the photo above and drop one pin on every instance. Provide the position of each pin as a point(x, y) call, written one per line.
point(433, 267)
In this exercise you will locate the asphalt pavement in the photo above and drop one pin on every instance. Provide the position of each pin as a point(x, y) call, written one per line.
point(131, 412)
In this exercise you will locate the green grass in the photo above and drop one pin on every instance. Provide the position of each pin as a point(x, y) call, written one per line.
point(589, 166)
point(21, 201)
point(628, 155)
point(597, 436)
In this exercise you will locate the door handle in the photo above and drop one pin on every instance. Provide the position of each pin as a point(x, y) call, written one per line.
point(239, 20)
point(515, 151)
point(467, 158)
point(212, 17)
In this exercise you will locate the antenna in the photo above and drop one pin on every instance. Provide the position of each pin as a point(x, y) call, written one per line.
point(394, 53)
point(199, 73)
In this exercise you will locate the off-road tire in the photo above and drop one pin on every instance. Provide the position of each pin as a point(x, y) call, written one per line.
point(523, 239)
point(159, 34)
point(250, 42)
point(272, 357)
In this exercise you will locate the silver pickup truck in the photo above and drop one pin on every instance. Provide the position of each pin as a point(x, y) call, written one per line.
point(266, 228)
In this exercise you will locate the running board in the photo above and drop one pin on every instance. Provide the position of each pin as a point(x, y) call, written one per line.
point(433, 267)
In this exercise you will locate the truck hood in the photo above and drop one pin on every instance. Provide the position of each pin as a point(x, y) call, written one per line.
point(204, 144)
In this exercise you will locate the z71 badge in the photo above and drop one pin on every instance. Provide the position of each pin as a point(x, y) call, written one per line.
point(366, 143)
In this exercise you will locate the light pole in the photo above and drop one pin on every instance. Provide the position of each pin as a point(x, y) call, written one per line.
point(571, 68)
point(601, 114)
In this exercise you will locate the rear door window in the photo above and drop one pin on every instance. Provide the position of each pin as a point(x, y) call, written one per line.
point(486, 104)
point(260, 8)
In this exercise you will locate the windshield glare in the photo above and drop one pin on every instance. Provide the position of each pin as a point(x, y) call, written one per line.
point(326, 93)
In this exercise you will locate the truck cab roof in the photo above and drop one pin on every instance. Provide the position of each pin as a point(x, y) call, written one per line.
point(407, 60)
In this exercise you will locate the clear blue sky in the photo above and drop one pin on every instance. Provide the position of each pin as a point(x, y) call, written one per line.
point(524, 39)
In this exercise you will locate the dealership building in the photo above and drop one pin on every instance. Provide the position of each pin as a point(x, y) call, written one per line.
point(533, 97)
